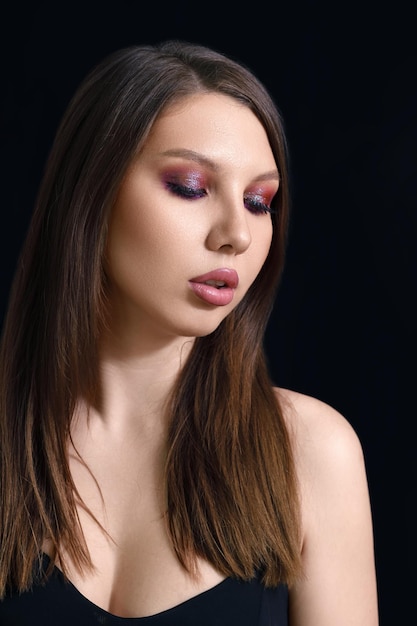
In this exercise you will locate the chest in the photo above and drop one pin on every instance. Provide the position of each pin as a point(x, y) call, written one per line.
point(136, 570)
point(229, 602)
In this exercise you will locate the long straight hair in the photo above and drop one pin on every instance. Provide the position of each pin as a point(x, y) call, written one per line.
point(232, 493)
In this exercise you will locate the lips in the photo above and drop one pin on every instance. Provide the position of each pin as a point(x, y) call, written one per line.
point(216, 287)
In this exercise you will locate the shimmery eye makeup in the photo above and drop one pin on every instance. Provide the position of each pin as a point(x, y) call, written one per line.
point(189, 185)
point(185, 192)
point(256, 206)
point(259, 201)
point(192, 185)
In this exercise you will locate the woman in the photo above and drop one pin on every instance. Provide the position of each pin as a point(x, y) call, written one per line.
point(150, 470)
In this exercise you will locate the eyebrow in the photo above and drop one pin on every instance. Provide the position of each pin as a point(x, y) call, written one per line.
point(203, 160)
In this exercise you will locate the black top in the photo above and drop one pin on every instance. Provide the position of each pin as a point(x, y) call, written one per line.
point(230, 603)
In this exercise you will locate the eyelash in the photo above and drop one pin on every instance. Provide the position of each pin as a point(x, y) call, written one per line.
point(258, 207)
point(186, 192)
point(189, 193)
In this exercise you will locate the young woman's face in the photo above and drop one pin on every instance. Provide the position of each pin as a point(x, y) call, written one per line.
point(191, 228)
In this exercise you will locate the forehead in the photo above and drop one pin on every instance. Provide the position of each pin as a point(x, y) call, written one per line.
point(216, 125)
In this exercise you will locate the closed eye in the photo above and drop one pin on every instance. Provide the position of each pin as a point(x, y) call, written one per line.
point(183, 191)
point(256, 207)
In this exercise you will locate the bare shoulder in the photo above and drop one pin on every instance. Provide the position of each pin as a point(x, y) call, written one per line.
point(327, 449)
point(321, 434)
point(337, 535)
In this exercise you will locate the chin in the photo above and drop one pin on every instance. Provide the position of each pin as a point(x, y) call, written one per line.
point(199, 328)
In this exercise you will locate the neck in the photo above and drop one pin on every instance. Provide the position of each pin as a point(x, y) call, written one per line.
point(136, 379)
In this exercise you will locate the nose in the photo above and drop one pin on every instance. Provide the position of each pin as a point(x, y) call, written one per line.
point(230, 230)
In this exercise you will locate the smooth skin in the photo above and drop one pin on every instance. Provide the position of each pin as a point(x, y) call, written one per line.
point(194, 200)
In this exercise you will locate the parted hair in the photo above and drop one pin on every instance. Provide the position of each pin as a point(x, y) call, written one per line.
point(231, 487)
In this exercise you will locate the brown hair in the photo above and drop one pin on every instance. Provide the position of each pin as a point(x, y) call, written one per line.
point(231, 485)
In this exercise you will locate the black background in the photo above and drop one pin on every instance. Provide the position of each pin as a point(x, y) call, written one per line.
point(344, 78)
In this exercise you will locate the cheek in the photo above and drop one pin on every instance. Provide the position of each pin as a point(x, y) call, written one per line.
point(133, 231)
point(142, 243)
point(124, 245)
point(258, 253)
point(269, 234)
point(265, 245)
point(264, 240)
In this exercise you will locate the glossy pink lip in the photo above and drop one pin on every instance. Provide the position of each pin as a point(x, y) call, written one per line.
point(216, 287)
